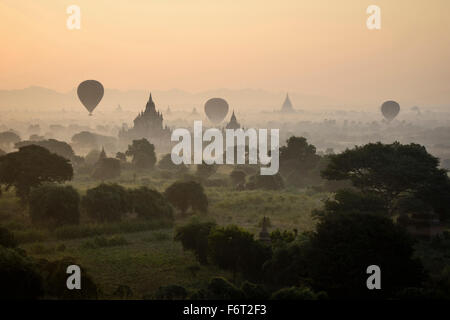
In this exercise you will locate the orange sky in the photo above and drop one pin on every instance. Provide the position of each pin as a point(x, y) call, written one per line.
point(319, 47)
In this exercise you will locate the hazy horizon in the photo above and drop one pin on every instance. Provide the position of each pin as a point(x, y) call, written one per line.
point(319, 49)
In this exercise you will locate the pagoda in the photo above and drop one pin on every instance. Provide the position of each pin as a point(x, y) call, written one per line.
point(287, 105)
point(233, 124)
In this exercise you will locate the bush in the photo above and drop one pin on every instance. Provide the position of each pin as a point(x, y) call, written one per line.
point(234, 249)
point(7, 239)
point(19, 276)
point(148, 203)
point(194, 237)
point(106, 168)
point(172, 292)
point(52, 206)
point(221, 289)
point(55, 277)
point(258, 181)
point(185, 195)
point(295, 293)
point(106, 202)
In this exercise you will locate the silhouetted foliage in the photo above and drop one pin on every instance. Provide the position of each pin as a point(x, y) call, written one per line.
point(194, 237)
point(166, 163)
point(2, 153)
point(53, 206)
point(185, 195)
point(30, 167)
point(237, 177)
point(351, 201)
point(143, 153)
point(60, 148)
point(106, 202)
point(171, 292)
point(344, 245)
point(7, 239)
point(148, 203)
point(234, 249)
point(55, 278)
point(8, 139)
point(19, 276)
point(391, 170)
point(273, 182)
point(106, 168)
point(298, 159)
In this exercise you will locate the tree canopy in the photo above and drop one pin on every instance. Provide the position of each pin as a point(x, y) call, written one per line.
point(143, 153)
point(30, 167)
point(185, 195)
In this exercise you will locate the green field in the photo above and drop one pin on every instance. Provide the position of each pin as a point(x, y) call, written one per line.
point(145, 256)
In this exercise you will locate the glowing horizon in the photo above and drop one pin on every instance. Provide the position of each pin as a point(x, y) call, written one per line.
point(319, 48)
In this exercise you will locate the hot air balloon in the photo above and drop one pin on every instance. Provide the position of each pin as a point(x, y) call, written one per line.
point(216, 109)
point(90, 93)
point(390, 110)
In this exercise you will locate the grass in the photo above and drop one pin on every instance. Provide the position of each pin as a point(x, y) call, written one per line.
point(141, 254)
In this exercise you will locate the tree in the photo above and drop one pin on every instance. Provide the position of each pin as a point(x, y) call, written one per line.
point(106, 202)
point(389, 170)
point(54, 206)
point(30, 167)
point(234, 249)
point(106, 168)
point(344, 245)
point(194, 237)
point(166, 163)
point(2, 153)
point(238, 177)
point(185, 195)
point(351, 201)
point(298, 159)
point(8, 139)
point(148, 203)
point(60, 148)
point(143, 153)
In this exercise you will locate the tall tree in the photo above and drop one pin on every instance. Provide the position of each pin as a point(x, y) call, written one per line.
point(143, 153)
point(30, 167)
point(390, 170)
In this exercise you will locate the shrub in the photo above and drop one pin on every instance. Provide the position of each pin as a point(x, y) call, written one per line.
point(106, 168)
point(148, 203)
point(106, 202)
point(19, 276)
point(185, 195)
point(172, 292)
point(257, 181)
point(55, 277)
point(222, 289)
point(52, 205)
point(7, 239)
point(194, 237)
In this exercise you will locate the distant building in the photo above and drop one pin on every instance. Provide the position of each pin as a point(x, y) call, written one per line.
point(194, 112)
point(287, 105)
point(148, 124)
point(233, 124)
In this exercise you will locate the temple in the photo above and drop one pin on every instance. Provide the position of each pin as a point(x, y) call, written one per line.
point(287, 105)
point(233, 124)
point(148, 124)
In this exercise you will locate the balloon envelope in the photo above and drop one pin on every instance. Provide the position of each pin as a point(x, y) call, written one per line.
point(390, 109)
point(90, 93)
point(216, 109)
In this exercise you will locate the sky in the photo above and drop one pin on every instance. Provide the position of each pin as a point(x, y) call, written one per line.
point(319, 47)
